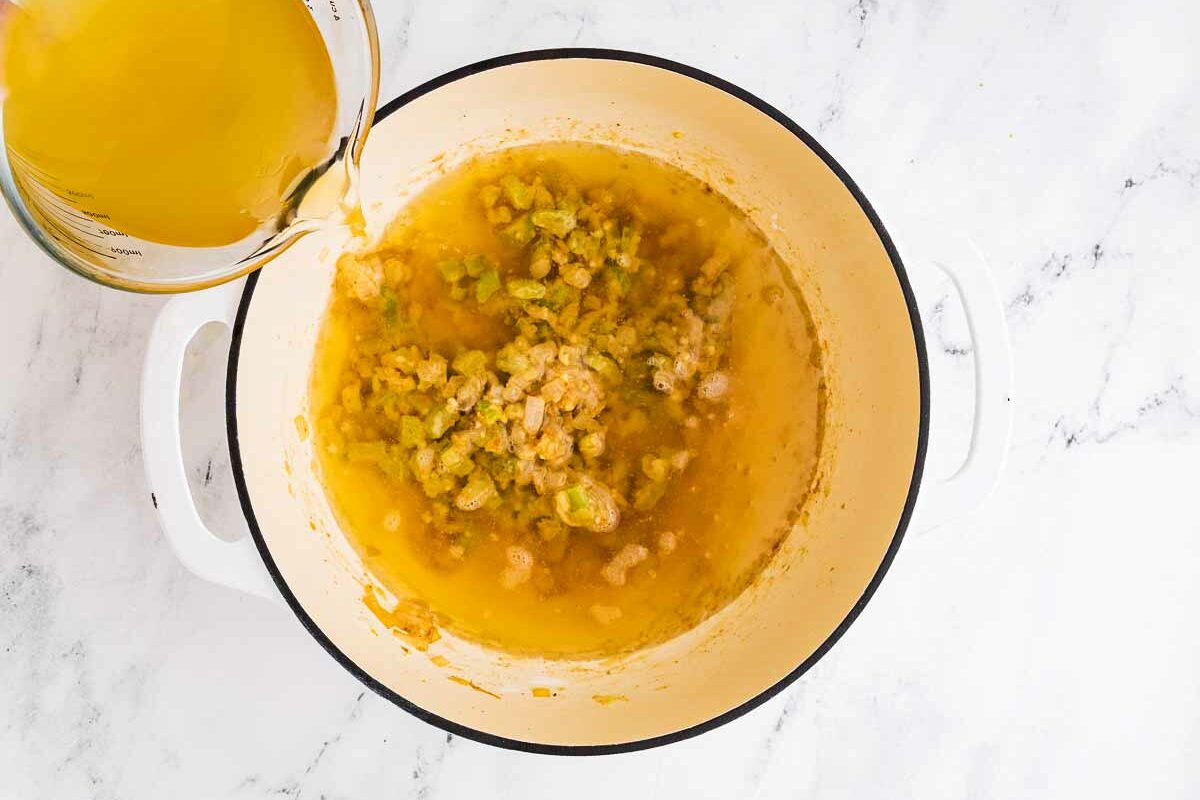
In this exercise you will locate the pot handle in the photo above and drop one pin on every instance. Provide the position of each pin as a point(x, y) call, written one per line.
point(234, 564)
point(953, 497)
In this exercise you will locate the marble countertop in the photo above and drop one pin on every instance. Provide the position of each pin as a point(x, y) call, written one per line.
point(1045, 647)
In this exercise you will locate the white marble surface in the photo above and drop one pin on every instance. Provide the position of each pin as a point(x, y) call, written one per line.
point(1046, 647)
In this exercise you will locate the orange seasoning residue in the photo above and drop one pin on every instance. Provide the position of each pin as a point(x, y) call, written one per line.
point(541, 691)
point(411, 620)
point(472, 685)
point(609, 699)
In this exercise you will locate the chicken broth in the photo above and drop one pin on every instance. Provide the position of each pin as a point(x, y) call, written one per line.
point(571, 401)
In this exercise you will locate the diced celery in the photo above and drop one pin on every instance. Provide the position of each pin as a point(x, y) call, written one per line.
point(489, 412)
point(521, 231)
point(586, 246)
point(576, 497)
point(560, 294)
point(476, 265)
point(488, 284)
point(439, 421)
point(451, 270)
point(455, 462)
point(472, 362)
point(575, 507)
point(605, 366)
point(525, 289)
point(618, 278)
point(412, 432)
point(519, 193)
point(557, 221)
point(512, 359)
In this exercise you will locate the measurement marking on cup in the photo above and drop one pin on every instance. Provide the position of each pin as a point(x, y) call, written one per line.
point(51, 224)
point(125, 251)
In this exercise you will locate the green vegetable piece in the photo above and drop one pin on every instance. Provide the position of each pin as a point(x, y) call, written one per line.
point(605, 366)
point(489, 412)
point(618, 278)
point(477, 265)
point(557, 221)
point(560, 294)
point(512, 359)
point(521, 231)
point(440, 420)
point(519, 193)
point(585, 246)
point(488, 285)
point(412, 432)
point(525, 289)
point(455, 462)
point(576, 498)
point(451, 270)
point(575, 507)
point(472, 362)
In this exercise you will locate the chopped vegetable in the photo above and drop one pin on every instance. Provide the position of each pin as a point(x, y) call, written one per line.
point(488, 285)
point(451, 270)
point(439, 421)
point(471, 362)
point(412, 431)
point(556, 221)
point(489, 412)
point(519, 193)
point(524, 289)
point(521, 231)
point(477, 265)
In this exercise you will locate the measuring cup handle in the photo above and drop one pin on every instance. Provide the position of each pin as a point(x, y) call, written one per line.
point(234, 564)
point(942, 501)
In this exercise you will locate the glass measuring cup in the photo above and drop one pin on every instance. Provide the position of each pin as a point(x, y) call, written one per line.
point(72, 226)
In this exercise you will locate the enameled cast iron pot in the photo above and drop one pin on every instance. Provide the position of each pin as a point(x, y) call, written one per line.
point(849, 271)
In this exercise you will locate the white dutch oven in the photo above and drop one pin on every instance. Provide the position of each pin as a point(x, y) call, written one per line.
point(830, 564)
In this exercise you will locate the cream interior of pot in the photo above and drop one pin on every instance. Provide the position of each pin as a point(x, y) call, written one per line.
point(868, 459)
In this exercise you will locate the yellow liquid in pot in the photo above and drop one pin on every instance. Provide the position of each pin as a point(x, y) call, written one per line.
point(183, 123)
point(752, 456)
